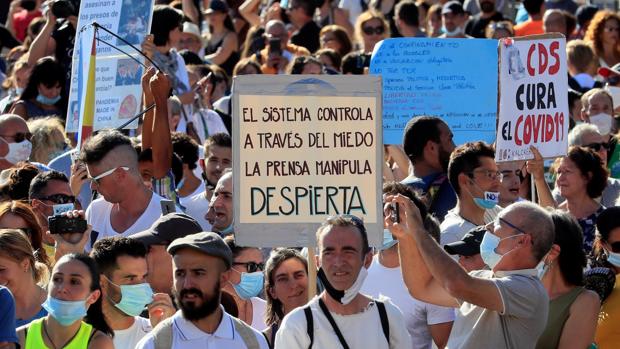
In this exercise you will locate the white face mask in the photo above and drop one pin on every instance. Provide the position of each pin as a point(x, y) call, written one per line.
point(17, 151)
point(603, 122)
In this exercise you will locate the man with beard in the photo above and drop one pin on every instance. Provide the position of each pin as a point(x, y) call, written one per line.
point(201, 265)
point(478, 23)
point(428, 143)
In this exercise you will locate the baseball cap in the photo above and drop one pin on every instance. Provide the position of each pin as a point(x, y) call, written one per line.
point(206, 242)
point(605, 72)
point(469, 245)
point(453, 7)
point(167, 229)
point(217, 6)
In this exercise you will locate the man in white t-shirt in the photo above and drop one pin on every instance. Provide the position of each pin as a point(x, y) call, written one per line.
point(187, 149)
point(126, 205)
point(341, 316)
point(426, 323)
point(125, 292)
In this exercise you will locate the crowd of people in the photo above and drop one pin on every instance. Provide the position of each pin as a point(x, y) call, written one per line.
point(128, 241)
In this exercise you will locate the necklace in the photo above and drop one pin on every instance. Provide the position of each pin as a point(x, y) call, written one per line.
point(50, 338)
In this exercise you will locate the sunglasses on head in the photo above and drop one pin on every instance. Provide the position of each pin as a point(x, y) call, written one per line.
point(60, 199)
point(369, 30)
point(598, 146)
point(251, 266)
point(19, 137)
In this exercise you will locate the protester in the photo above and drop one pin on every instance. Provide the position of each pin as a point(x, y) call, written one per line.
point(428, 142)
point(584, 15)
point(370, 28)
point(8, 336)
point(305, 65)
point(222, 46)
point(23, 275)
point(513, 173)
point(306, 31)
point(505, 307)
point(477, 23)
point(273, 60)
point(582, 64)
point(598, 109)
point(48, 139)
point(286, 288)
point(222, 205)
point(554, 21)
point(187, 149)
point(43, 93)
point(246, 282)
point(453, 20)
point(434, 21)
point(603, 33)
point(15, 137)
point(426, 323)
point(573, 310)
point(581, 178)
point(201, 265)
point(191, 39)
point(74, 309)
point(16, 181)
point(607, 252)
point(499, 30)
point(156, 239)
point(18, 215)
point(534, 25)
point(468, 249)
point(407, 19)
point(330, 59)
point(335, 37)
point(15, 83)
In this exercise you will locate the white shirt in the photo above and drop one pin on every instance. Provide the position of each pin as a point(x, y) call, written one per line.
point(98, 215)
point(185, 199)
point(259, 306)
point(186, 335)
point(197, 207)
point(454, 227)
point(361, 330)
point(130, 337)
point(418, 315)
point(210, 119)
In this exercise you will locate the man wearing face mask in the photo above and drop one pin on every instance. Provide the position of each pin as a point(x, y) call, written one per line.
point(453, 20)
point(15, 143)
point(477, 24)
point(341, 316)
point(505, 307)
point(476, 180)
point(125, 292)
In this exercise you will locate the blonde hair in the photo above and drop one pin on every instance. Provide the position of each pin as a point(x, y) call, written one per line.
point(580, 54)
point(365, 17)
point(15, 245)
point(48, 138)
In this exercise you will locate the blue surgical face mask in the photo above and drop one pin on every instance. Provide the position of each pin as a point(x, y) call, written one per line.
point(251, 284)
point(226, 231)
point(613, 258)
point(488, 245)
point(19, 91)
point(65, 312)
point(46, 100)
point(388, 240)
point(490, 200)
point(133, 298)
point(457, 31)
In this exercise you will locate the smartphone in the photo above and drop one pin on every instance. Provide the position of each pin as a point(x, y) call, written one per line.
point(167, 206)
point(395, 212)
point(275, 47)
point(66, 225)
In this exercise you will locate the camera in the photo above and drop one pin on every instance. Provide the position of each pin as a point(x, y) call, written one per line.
point(65, 8)
point(66, 225)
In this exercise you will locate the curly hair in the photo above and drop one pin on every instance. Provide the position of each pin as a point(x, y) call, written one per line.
point(596, 28)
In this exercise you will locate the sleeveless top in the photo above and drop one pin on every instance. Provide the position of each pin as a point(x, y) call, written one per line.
point(559, 310)
point(34, 336)
point(229, 64)
point(34, 111)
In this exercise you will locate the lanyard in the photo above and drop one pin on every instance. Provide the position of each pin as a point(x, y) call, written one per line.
point(331, 320)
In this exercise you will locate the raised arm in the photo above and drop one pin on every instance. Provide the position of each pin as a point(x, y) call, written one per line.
point(190, 10)
point(44, 44)
point(249, 11)
point(162, 148)
point(147, 96)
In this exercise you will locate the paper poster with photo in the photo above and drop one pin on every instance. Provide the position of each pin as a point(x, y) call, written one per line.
point(305, 148)
point(533, 103)
point(453, 79)
point(117, 82)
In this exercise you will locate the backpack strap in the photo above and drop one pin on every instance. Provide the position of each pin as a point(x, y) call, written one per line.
point(246, 333)
point(385, 324)
point(162, 334)
point(309, 324)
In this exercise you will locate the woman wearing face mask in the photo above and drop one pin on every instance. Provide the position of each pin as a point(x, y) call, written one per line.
point(15, 84)
point(607, 253)
point(581, 178)
point(286, 287)
point(43, 93)
point(573, 310)
point(246, 283)
point(20, 273)
point(73, 304)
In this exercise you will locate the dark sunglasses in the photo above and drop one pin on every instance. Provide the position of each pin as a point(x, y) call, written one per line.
point(613, 80)
point(59, 199)
point(19, 137)
point(252, 266)
point(368, 30)
point(598, 146)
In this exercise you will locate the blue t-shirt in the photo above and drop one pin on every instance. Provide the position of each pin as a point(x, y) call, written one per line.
point(22, 322)
point(7, 316)
point(438, 190)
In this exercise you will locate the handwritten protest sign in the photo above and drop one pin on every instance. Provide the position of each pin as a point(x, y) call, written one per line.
point(117, 82)
point(533, 108)
point(453, 79)
point(305, 148)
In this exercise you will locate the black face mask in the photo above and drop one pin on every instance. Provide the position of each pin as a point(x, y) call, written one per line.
point(334, 293)
point(28, 5)
point(487, 7)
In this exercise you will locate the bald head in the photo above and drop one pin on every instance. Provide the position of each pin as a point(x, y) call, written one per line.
point(535, 221)
point(12, 123)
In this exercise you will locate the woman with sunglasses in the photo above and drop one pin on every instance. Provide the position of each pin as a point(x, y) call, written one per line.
point(581, 178)
point(573, 310)
point(286, 287)
point(246, 283)
point(604, 35)
point(73, 303)
point(370, 28)
point(17, 215)
point(607, 254)
point(23, 275)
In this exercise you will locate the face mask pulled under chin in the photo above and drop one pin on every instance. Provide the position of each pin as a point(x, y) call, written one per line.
point(457, 31)
point(343, 297)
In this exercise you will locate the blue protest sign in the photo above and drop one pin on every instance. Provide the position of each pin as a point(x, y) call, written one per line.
point(455, 79)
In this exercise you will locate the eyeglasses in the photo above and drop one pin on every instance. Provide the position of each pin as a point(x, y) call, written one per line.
point(106, 173)
point(368, 30)
point(613, 80)
point(19, 137)
point(598, 146)
point(490, 174)
point(251, 266)
point(511, 225)
point(59, 199)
